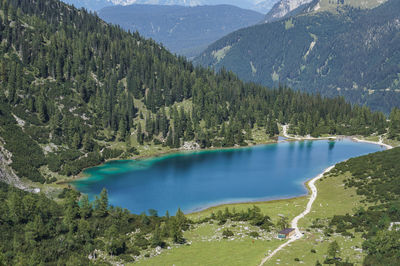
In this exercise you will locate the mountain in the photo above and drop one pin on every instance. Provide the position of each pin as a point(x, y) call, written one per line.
point(256, 5)
point(350, 52)
point(282, 8)
point(92, 5)
point(76, 91)
point(289, 8)
point(183, 30)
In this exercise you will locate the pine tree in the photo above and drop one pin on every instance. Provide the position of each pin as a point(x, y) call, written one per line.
point(88, 143)
point(85, 210)
point(76, 141)
point(139, 137)
point(156, 240)
point(42, 109)
point(176, 232)
point(101, 204)
point(333, 249)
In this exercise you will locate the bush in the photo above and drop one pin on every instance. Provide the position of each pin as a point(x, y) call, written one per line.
point(227, 233)
point(157, 142)
point(109, 153)
point(254, 234)
point(313, 251)
point(126, 258)
point(135, 251)
point(296, 259)
point(222, 222)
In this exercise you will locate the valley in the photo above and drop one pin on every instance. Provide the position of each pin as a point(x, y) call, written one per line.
point(105, 135)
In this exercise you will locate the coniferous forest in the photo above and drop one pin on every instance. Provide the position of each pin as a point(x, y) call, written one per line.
point(72, 85)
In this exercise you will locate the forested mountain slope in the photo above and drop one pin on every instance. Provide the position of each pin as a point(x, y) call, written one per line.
point(75, 91)
point(183, 30)
point(350, 52)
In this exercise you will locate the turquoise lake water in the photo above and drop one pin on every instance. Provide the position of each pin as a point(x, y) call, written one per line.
point(195, 180)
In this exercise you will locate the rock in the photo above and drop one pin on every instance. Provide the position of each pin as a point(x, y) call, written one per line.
point(190, 146)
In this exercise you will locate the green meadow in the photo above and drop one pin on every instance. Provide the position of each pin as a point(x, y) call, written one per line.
point(207, 247)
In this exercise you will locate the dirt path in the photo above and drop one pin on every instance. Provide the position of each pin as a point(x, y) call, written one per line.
point(294, 224)
point(380, 142)
point(314, 193)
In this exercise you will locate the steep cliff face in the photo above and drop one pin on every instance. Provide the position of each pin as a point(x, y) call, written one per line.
point(283, 7)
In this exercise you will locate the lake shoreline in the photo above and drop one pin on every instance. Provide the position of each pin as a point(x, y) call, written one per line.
point(233, 202)
point(82, 176)
point(305, 184)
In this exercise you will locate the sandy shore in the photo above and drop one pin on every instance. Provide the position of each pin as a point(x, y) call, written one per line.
point(380, 142)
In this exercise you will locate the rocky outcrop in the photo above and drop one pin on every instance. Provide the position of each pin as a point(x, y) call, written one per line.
point(282, 8)
point(8, 176)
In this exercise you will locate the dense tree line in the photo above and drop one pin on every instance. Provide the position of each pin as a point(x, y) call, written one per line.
point(35, 230)
point(394, 124)
point(377, 178)
point(70, 85)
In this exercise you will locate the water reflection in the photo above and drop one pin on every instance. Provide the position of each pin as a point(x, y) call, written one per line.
point(193, 180)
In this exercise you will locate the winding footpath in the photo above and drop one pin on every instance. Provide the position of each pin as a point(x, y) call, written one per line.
point(314, 193)
point(295, 221)
point(387, 146)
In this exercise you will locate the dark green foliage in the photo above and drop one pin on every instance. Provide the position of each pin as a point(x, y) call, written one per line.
point(394, 125)
point(227, 233)
point(38, 229)
point(331, 53)
point(377, 178)
point(252, 215)
point(27, 156)
point(78, 79)
point(383, 249)
point(254, 234)
point(333, 250)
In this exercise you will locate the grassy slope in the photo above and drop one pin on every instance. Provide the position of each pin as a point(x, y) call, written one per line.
point(332, 199)
point(206, 250)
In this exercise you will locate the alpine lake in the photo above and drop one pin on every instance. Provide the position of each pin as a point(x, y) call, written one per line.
point(196, 180)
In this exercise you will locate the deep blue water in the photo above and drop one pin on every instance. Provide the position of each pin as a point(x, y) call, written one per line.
point(196, 180)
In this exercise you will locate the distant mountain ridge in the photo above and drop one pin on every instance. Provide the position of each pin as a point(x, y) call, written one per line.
point(183, 30)
point(262, 6)
point(351, 52)
point(288, 8)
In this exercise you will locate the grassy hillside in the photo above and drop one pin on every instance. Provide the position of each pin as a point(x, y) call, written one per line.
point(350, 52)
